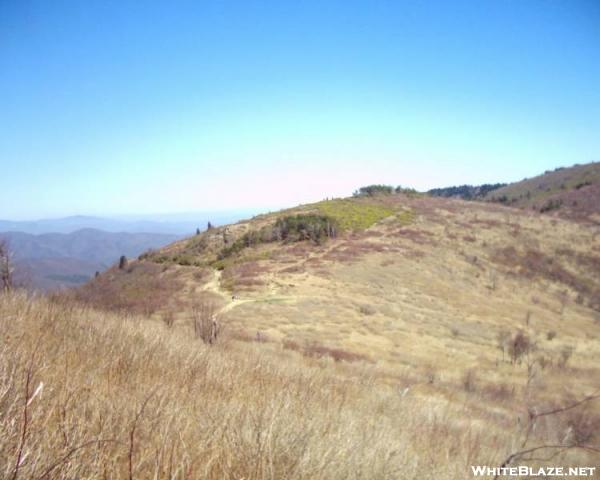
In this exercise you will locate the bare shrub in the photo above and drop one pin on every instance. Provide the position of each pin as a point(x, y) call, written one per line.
point(6, 267)
point(565, 354)
point(338, 354)
point(498, 391)
point(430, 375)
point(583, 426)
point(469, 380)
point(205, 323)
point(544, 362)
point(291, 345)
point(317, 350)
point(367, 309)
point(493, 280)
point(519, 346)
point(503, 339)
point(168, 318)
point(577, 428)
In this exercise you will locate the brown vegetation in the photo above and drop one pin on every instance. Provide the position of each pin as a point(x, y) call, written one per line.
point(6, 266)
point(90, 395)
point(141, 288)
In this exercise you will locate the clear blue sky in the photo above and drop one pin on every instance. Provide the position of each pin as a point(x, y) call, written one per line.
point(138, 107)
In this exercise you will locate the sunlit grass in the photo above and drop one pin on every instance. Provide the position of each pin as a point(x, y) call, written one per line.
point(354, 214)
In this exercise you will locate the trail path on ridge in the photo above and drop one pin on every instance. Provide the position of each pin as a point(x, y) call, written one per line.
point(214, 286)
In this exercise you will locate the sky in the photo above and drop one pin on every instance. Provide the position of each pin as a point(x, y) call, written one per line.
point(128, 107)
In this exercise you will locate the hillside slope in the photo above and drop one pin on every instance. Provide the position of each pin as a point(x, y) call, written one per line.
point(572, 192)
point(472, 314)
point(87, 394)
point(94, 395)
point(424, 285)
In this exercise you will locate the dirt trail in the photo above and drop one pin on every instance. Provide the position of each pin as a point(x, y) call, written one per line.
point(214, 286)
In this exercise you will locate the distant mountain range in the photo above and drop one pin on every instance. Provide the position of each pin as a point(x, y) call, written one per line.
point(53, 260)
point(63, 252)
point(173, 224)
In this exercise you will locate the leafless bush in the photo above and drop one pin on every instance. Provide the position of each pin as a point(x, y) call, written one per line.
point(565, 355)
point(544, 362)
point(168, 318)
point(583, 427)
point(316, 350)
point(498, 391)
point(503, 339)
point(367, 309)
point(469, 380)
point(493, 280)
point(6, 267)
point(205, 323)
point(338, 354)
point(519, 346)
point(580, 428)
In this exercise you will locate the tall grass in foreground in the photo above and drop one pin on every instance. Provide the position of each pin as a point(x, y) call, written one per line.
point(85, 394)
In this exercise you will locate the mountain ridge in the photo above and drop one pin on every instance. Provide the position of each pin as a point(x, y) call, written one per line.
point(54, 260)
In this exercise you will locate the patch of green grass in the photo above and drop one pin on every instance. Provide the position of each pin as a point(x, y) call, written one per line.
point(405, 217)
point(354, 214)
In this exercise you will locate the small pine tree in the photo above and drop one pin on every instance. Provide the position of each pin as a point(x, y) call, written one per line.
point(122, 262)
point(209, 226)
point(197, 231)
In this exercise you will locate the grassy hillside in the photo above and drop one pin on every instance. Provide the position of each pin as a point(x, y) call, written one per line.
point(572, 192)
point(446, 275)
point(86, 394)
point(482, 310)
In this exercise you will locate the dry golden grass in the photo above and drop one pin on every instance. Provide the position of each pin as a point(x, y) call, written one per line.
point(435, 295)
point(85, 394)
point(344, 329)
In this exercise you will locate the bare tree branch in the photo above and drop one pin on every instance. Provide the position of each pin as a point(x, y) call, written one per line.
point(533, 416)
point(6, 267)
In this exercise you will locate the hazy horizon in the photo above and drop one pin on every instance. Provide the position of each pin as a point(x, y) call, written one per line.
point(181, 216)
point(188, 215)
point(114, 108)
